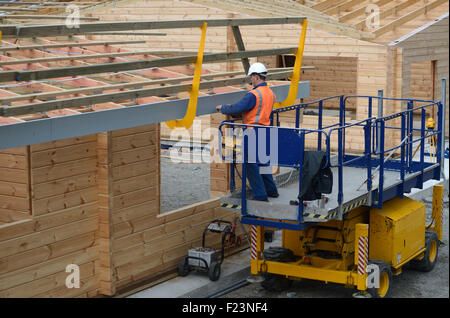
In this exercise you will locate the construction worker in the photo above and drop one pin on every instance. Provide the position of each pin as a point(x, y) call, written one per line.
point(255, 108)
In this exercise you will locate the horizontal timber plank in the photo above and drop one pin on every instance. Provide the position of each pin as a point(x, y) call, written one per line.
point(134, 141)
point(14, 175)
point(46, 268)
point(64, 201)
point(46, 237)
point(14, 189)
point(63, 170)
point(133, 155)
point(63, 143)
point(65, 185)
point(146, 209)
point(47, 283)
point(64, 154)
point(14, 203)
point(40, 223)
point(134, 198)
point(13, 161)
point(134, 183)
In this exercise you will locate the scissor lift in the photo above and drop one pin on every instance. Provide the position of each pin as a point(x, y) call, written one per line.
point(366, 220)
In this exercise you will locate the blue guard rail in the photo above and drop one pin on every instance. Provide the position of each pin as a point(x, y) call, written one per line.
point(287, 147)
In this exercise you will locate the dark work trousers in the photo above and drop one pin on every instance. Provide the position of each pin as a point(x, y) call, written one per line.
point(261, 184)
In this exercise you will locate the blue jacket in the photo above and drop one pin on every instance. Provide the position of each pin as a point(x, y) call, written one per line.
point(244, 105)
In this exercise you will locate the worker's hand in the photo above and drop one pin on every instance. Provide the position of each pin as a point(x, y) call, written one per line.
point(218, 108)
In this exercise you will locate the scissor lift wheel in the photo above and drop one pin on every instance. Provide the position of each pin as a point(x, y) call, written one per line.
point(429, 259)
point(385, 280)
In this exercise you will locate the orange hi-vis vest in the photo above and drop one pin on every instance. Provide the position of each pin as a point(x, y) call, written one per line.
point(260, 114)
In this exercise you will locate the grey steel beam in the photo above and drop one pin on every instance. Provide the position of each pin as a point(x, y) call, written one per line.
point(33, 75)
point(50, 129)
point(62, 29)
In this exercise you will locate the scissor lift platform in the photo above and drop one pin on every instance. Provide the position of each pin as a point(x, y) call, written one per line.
point(355, 194)
point(356, 178)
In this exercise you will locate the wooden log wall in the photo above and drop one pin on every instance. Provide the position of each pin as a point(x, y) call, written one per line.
point(93, 202)
point(14, 185)
point(332, 76)
point(417, 60)
point(62, 227)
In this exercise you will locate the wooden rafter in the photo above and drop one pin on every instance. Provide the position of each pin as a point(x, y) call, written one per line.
point(360, 11)
point(323, 5)
point(316, 19)
point(408, 17)
point(388, 12)
point(342, 7)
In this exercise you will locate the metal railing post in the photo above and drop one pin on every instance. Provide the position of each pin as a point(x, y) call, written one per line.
point(381, 178)
point(441, 126)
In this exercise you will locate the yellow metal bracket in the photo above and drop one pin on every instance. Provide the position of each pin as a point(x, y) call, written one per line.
point(295, 79)
point(188, 119)
point(438, 194)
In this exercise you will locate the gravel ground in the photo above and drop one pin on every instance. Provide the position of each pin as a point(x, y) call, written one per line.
point(182, 183)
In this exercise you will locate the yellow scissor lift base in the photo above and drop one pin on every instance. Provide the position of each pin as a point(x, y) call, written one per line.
point(339, 251)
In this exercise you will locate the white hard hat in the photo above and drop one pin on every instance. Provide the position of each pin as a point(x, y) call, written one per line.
point(257, 68)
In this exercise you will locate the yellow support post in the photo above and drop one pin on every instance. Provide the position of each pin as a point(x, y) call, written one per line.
point(295, 79)
point(361, 254)
point(438, 193)
point(191, 112)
